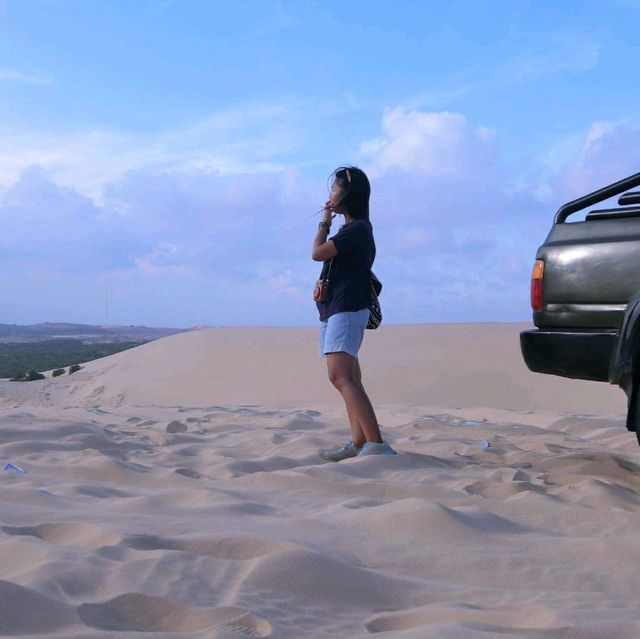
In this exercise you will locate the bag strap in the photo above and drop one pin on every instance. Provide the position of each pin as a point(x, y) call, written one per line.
point(329, 271)
point(376, 284)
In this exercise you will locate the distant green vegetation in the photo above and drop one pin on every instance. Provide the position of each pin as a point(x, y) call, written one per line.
point(17, 359)
point(29, 376)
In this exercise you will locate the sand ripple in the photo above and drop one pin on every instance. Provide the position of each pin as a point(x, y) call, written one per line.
point(141, 613)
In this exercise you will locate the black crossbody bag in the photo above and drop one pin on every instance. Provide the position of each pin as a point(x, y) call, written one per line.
point(375, 312)
point(321, 289)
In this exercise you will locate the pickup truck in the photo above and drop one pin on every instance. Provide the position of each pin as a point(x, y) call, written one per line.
point(585, 295)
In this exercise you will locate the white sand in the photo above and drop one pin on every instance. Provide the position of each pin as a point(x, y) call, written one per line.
point(175, 490)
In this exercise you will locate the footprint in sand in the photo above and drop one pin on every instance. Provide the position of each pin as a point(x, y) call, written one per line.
point(112, 429)
point(92, 397)
point(24, 611)
point(502, 490)
point(66, 534)
point(134, 612)
point(362, 502)
point(231, 548)
point(187, 472)
point(530, 618)
point(176, 427)
point(98, 411)
point(101, 492)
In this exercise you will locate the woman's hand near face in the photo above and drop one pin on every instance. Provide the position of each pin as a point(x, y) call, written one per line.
point(328, 215)
point(324, 249)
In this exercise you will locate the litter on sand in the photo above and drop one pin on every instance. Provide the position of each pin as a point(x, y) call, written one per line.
point(14, 468)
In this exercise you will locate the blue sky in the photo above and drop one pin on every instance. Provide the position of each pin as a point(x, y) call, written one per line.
point(169, 156)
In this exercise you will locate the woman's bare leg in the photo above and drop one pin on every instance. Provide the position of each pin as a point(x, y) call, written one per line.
point(357, 434)
point(358, 378)
point(357, 373)
point(345, 375)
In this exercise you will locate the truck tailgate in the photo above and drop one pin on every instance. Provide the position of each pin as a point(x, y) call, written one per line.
point(591, 269)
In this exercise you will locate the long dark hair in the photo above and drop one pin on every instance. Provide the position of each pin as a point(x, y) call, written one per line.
point(357, 190)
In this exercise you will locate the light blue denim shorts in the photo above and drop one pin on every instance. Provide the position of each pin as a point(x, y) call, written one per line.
point(343, 332)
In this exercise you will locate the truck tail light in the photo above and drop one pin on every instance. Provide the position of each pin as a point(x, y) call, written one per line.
point(536, 285)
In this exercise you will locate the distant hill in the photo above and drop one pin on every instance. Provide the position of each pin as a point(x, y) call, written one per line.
point(41, 347)
point(85, 332)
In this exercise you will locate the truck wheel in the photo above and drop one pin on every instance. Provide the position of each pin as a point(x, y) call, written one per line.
point(633, 406)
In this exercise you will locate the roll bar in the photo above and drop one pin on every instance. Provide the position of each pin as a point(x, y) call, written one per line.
point(597, 196)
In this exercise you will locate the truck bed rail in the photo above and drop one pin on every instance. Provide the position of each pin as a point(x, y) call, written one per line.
point(597, 196)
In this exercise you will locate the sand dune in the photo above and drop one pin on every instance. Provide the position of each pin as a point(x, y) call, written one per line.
point(175, 490)
point(476, 365)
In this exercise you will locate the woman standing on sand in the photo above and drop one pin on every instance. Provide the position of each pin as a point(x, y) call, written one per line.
point(348, 257)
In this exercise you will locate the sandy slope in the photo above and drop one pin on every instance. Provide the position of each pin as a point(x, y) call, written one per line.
point(174, 490)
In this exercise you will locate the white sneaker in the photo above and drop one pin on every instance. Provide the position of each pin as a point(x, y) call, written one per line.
point(373, 448)
point(338, 454)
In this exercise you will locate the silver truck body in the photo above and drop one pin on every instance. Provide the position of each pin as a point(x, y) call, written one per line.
point(592, 270)
point(588, 320)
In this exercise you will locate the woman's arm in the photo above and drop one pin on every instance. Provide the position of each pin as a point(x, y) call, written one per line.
point(323, 249)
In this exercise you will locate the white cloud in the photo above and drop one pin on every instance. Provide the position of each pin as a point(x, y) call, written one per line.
point(24, 77)
point(164, 257)
point(167, 246)
point(253, 138)
point(608, 153)
point(417, 237)
point(440, 145)
point(445, 226)
point(182, 245)
point(539, 55)
point(563, 51)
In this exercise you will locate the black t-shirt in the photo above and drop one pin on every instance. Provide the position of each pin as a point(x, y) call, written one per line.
point(350, 276)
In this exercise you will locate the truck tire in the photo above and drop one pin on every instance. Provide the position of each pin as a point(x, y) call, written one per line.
point(633, 401)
